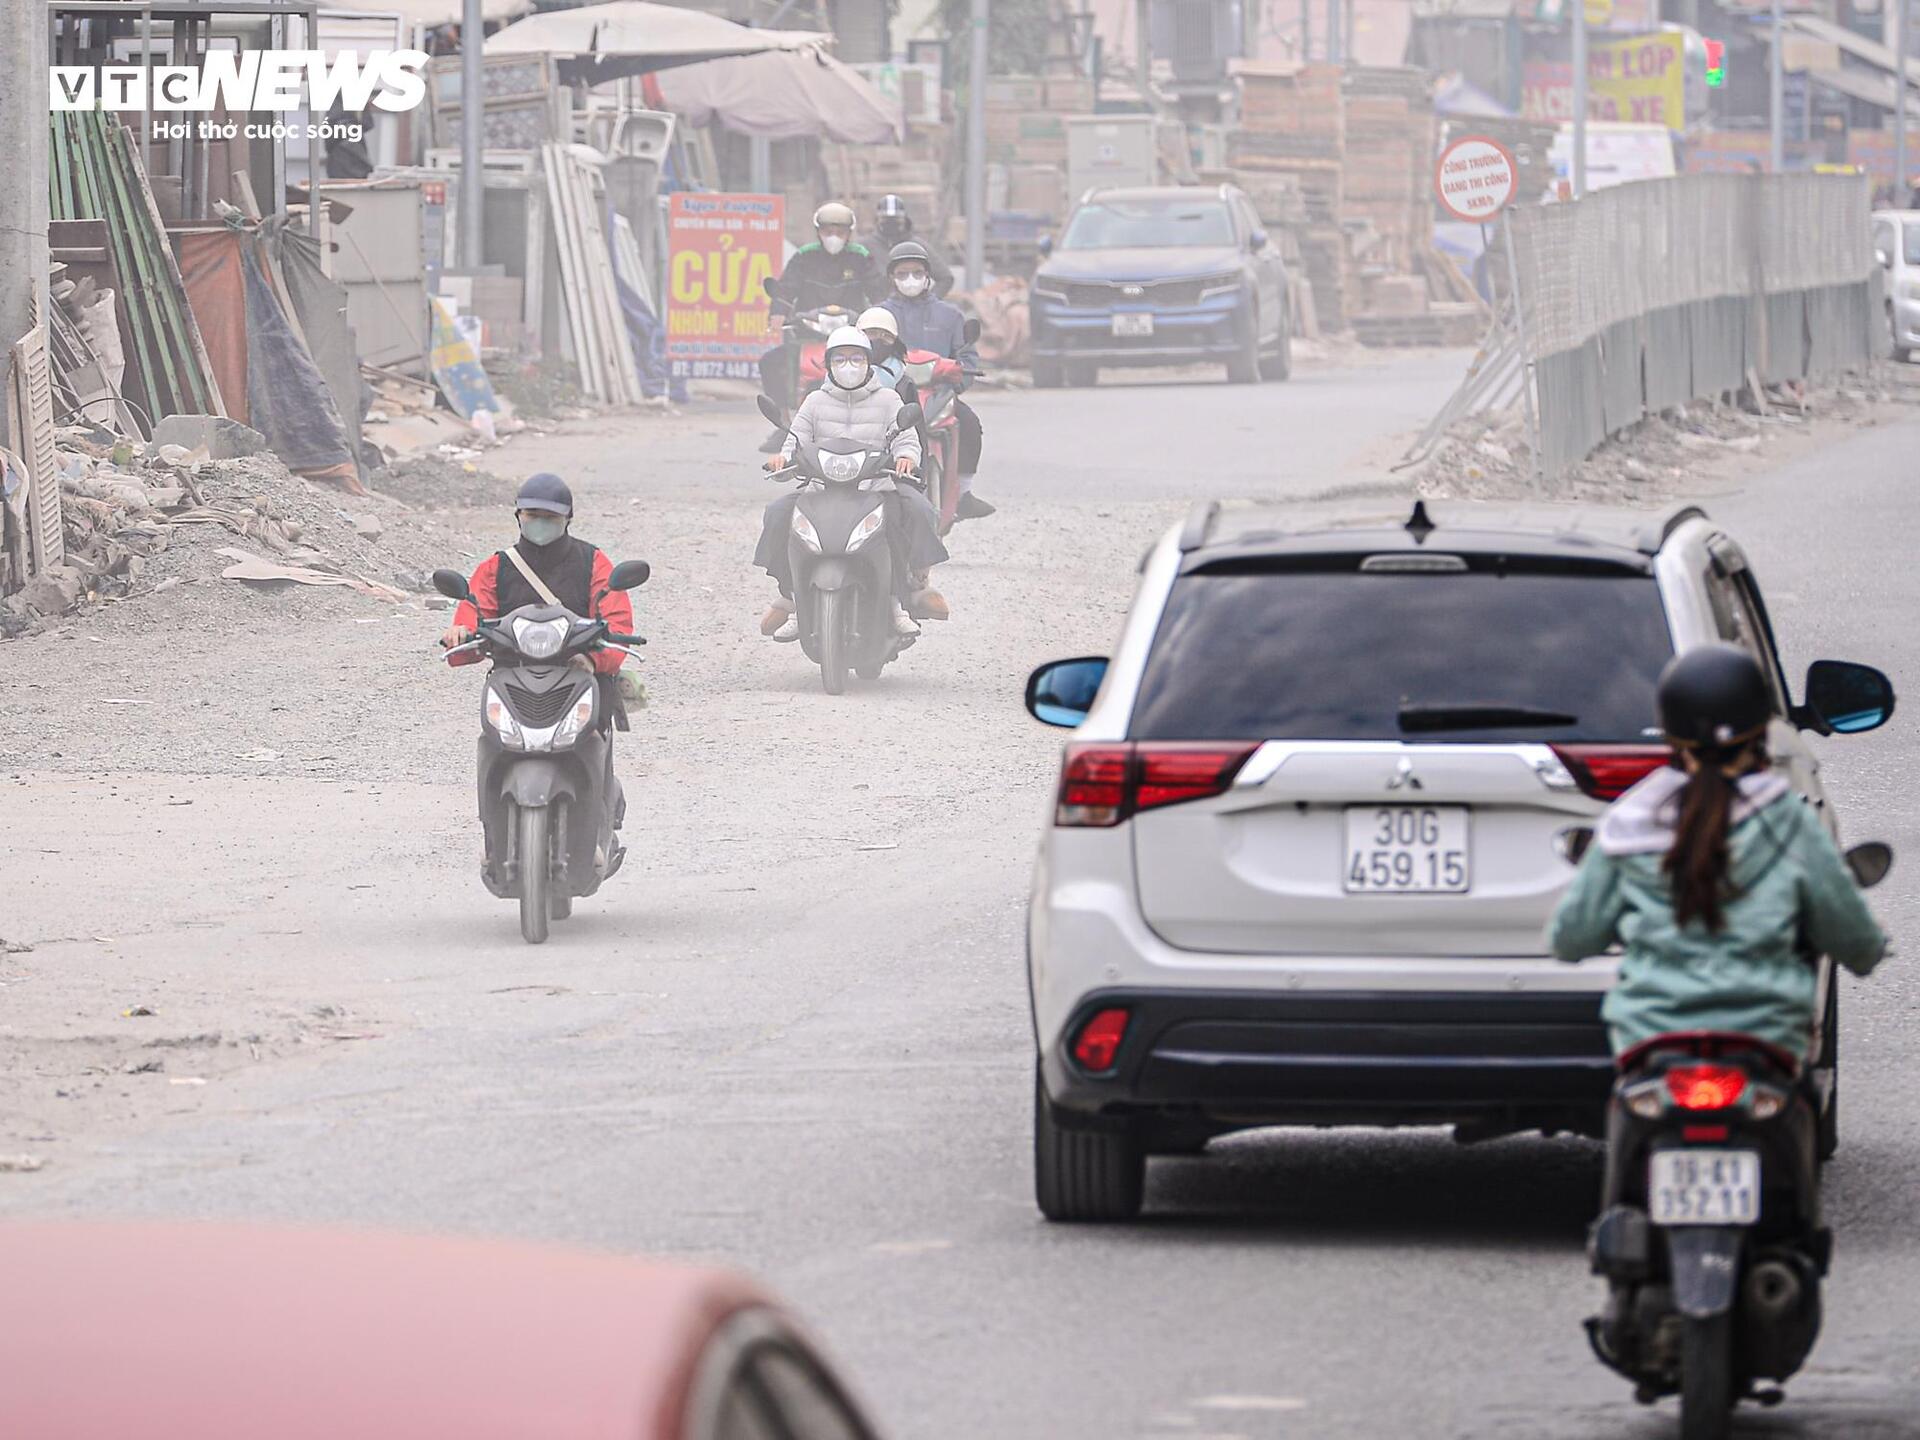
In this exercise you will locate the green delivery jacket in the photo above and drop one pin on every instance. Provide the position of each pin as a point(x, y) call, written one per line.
point(1792, 900)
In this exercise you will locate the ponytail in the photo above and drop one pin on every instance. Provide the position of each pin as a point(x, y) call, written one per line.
point(1697, 863)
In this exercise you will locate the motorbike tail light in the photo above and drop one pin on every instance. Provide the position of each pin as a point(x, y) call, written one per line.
point(1706, 1087)
point(1606, 772)
point(1098, 1043)
point(1169, 774)
point(1103, 784)
point(1093, 785)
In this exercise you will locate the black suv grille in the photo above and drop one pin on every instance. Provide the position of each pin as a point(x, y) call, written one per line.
point(1098, 295)
point(539, 708)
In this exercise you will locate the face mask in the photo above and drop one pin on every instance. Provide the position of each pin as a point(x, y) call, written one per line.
point(542, 529)
point(833, 244)
point(850, 374)
point(911, 286)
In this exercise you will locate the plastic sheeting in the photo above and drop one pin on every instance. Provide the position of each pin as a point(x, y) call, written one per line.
point(286, 393)
point(320, 305)
point(216, 287)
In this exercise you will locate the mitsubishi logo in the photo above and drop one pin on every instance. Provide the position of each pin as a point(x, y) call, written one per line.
point(1404, 778)
point(1133, 292)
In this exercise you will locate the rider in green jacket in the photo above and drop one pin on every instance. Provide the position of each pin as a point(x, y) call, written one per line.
point(1720, 883)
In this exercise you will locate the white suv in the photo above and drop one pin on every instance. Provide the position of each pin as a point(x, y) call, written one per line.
point(1318, 809)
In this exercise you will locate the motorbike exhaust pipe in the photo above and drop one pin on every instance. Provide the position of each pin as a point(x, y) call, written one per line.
point(1774, 1290)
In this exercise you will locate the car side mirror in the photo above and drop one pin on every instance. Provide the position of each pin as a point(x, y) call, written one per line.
point(910, 416)
point(629, 575)
point(1870, 863)
point(1046, 246)
point(1845, 699)
point(1257, 241)
point(1062, 692)
point(971, 330)
point(452, 584)
point(1883, 259)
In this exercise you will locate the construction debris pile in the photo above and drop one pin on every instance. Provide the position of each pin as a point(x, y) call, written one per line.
point(1342, 157)
point(144, 517)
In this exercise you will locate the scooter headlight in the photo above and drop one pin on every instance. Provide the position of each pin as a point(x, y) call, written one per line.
point(843, 467)
point(502, 721)
point(868, 527)
point(576, 719)
point(539, 639)
point(804, 532)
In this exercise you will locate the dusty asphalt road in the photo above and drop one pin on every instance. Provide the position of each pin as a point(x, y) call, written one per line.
point(770, 1042)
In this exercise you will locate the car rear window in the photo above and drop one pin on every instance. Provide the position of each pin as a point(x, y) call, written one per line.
point(1246, 651)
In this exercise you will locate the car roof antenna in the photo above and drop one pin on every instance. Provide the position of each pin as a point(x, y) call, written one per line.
point(1418, 524)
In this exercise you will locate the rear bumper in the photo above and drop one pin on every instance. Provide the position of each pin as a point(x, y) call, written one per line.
point(1221, 1060)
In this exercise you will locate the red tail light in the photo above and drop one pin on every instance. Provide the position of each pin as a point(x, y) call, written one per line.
point(1103, 784)
point(1098, 1043)
point(1606, 772)
point(1706, 1087)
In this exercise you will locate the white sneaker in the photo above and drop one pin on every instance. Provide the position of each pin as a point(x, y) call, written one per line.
point(903, 622)
point(789, 629)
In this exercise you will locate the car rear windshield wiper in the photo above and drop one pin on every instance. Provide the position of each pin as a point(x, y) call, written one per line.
point(1429, 717)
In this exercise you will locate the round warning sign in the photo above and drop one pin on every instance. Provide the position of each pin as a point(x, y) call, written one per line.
point(1476, 178)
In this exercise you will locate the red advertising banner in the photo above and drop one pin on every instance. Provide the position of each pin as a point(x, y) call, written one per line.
point(721, 250)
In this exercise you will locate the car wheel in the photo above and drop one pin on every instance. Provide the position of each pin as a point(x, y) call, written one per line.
point(1244, 367)
point(1083, 374)
point(1084, 1175)
point(1279, 365)
point(1048, 374)
point(1826, 1141)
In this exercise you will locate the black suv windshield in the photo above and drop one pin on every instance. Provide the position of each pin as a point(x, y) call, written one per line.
point(1246, 651)
point(1125, 224)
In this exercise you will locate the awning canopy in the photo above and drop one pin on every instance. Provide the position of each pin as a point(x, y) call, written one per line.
point(783, 95)
point(430, 12)
point(634, 37)
point(1865, 85)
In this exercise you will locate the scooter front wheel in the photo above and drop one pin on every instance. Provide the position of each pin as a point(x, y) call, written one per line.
point(830, 625)
point(536, 872)
point(1706, 1378)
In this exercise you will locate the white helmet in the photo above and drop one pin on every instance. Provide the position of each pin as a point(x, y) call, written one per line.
point(832, 213)
point(879, 318)
point(848, 338)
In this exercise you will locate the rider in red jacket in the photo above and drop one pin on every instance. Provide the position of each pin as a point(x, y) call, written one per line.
point(576, 572)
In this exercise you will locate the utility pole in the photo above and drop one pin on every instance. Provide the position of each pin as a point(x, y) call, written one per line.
point(23, 203)
point(1777, 93)
point(473, 121)
point(1333, 32)
point(1902, 18)
point(977, 148)
point(1580, 83)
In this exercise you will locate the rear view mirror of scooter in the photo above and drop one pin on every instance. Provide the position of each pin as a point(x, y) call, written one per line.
point(971, 330)
point(1870, 863)
point(629, 575)
point(775, 415)
point(910, 415)
point(452, 584)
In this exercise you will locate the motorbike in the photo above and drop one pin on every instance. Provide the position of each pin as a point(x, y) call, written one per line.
point(549, 802)
point(842, 565)
point(1710, 1237)
point(803, 337)
point(938, 380)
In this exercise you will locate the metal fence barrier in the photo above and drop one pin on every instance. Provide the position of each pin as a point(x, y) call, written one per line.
point(1645, 297)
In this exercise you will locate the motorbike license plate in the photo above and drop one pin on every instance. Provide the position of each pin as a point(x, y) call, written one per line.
point(1132, 325)
point(1407, 850)
point(1704, 1187)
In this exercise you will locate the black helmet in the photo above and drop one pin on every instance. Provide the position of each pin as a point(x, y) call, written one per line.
point(908, 250)
point(1714, 695)
point(545, 492)
point(892, 220)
